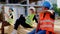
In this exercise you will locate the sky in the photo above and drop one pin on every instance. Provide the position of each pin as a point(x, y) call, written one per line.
point(58, 3)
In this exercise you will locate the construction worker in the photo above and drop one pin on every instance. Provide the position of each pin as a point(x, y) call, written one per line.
point(31, 17)
point(47, 15)
point(26, 23)
point(46, 23)
point(10, 16)
point(46, 20)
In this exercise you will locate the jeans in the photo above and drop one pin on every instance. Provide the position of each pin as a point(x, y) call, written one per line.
point(39, 32)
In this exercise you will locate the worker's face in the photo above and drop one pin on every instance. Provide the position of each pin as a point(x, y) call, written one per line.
point(10, 11)
point(31, 11)
point(44, 8)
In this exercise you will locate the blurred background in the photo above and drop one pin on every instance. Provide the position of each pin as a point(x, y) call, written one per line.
point(21, 7)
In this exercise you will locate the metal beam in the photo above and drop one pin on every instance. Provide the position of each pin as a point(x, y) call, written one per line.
point(18, 5)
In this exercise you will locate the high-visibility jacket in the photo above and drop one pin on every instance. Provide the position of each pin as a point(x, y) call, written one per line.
point(29, 19)
point(10, 20)
point(45, 22)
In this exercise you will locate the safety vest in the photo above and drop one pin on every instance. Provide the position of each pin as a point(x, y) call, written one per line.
point(45, 22)
point(10, 20)
point(29, 19)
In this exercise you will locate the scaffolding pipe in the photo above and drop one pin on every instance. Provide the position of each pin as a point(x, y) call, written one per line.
point(17, 5)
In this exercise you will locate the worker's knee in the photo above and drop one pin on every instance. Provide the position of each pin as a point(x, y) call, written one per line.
point(32, 32)
point(41, 32)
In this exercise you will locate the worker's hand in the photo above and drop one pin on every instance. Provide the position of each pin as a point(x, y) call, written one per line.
point(6, 15)
point(49, 11)
point(34, 25)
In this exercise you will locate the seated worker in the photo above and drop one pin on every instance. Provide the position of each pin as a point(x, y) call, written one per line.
point(46, 23)
point(26, 23)
point(45, 14)
point(9, 16)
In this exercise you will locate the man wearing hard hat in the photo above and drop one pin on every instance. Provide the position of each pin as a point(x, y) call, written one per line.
point(45, 21)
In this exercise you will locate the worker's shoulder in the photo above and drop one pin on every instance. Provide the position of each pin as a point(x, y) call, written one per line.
point(41, 12)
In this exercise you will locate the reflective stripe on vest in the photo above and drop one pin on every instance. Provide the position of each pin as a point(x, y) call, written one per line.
point(49, 26)
point(46, 25)
point(46, 21)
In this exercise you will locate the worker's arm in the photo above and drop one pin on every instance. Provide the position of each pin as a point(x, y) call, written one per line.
point(38, 27)
point(34, 18)
point(40, 18)
point(6, 15)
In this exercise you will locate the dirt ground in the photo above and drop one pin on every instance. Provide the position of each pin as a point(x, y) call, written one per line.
point(21, 30)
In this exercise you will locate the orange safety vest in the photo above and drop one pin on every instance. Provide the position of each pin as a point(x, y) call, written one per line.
point(45, 22)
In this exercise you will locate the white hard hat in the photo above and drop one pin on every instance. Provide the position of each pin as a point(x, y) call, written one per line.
point(32, 8)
